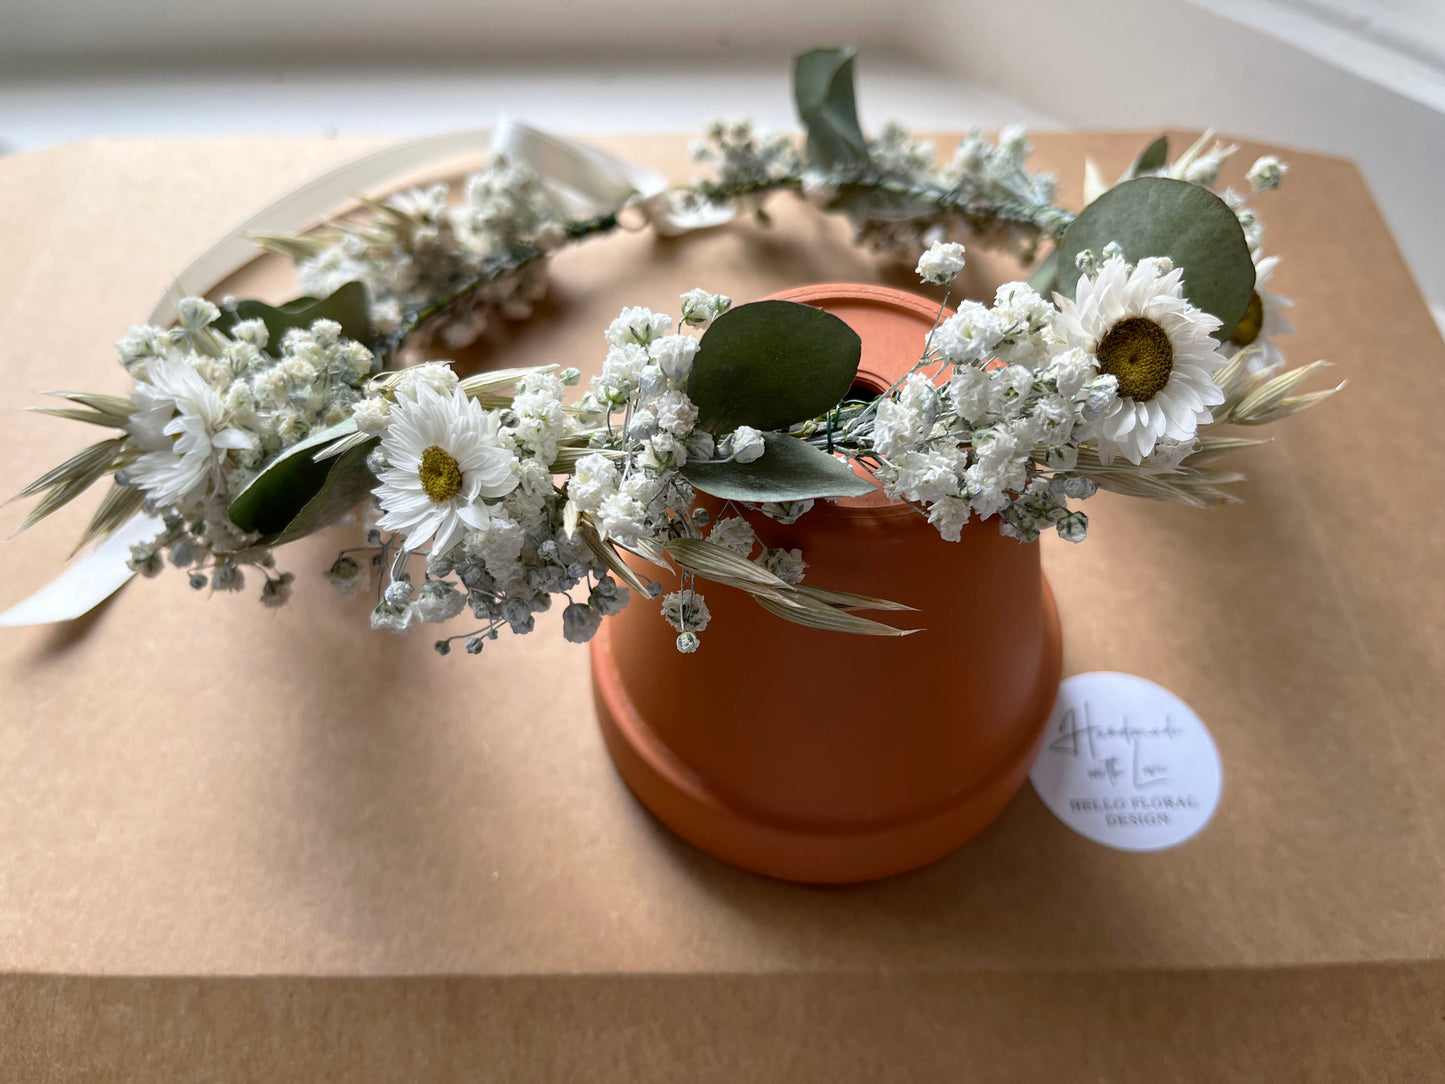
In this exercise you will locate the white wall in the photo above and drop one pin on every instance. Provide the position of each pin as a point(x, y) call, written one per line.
point(332, 32)
point(1249, 68)
point(1363, 79)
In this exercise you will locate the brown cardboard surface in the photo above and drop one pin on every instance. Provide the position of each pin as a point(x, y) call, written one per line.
point(197, 789)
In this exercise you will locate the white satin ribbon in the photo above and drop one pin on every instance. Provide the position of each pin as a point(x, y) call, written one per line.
point(586, 181)
point(86, 582)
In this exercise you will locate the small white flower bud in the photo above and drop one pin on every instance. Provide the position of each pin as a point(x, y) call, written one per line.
point(941, 264)
point(700, 308)
point(1073, 527)
point(398, 592)
point(580, 623)
point(747, 444)
point(1266, 173)
point(371, 415)
point(228, 578)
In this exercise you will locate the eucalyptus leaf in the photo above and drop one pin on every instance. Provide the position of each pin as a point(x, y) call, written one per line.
point(1045, 277)
point(287, 484)
point(1153, 157)
point(823, 92)
point(347, 306)
point(788, 470)
point(772, 364)
point(348, 483)
point(1157, 216)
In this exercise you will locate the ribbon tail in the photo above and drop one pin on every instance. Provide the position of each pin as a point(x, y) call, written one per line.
point(88, 581)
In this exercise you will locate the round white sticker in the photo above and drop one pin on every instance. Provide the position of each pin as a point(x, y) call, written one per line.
point(1126, 763)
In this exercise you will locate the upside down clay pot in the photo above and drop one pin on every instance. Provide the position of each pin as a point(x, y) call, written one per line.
point(824, 756)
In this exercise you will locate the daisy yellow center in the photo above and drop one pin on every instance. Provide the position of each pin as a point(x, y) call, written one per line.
point(1252, 324)
point(441, 475)
point(1136, 351)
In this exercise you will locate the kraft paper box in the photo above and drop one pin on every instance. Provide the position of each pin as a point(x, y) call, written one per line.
point(249, 844)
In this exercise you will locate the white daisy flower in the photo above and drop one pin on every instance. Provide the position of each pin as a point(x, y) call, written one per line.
point(445, 459)
point(182, 424)
point(1262, 322)
point(1136, 326)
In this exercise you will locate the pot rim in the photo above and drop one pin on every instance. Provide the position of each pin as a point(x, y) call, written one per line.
point(892, 299)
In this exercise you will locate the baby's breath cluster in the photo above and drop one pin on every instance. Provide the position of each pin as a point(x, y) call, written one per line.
point(745, 159)
point(984, 192)
point(990, 420)
point(897, 197)
point(213, 401)
point(484, 253)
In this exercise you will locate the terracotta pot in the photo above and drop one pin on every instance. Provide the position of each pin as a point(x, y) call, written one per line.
point(823, 756)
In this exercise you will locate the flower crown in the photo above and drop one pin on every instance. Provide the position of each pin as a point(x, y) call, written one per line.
point(1146, 328)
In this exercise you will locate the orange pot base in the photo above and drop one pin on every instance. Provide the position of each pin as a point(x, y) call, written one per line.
point(812, 854)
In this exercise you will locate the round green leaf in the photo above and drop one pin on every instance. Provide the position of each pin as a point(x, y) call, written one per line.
point(771, 364)
point(788, 470)
point(1156, 216)
point(823, 92)
point(1045, 277)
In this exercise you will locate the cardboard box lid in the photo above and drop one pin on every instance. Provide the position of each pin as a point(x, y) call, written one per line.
point(201, 788)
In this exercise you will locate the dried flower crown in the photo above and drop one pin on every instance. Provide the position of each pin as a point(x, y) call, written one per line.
point(1145, 329)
